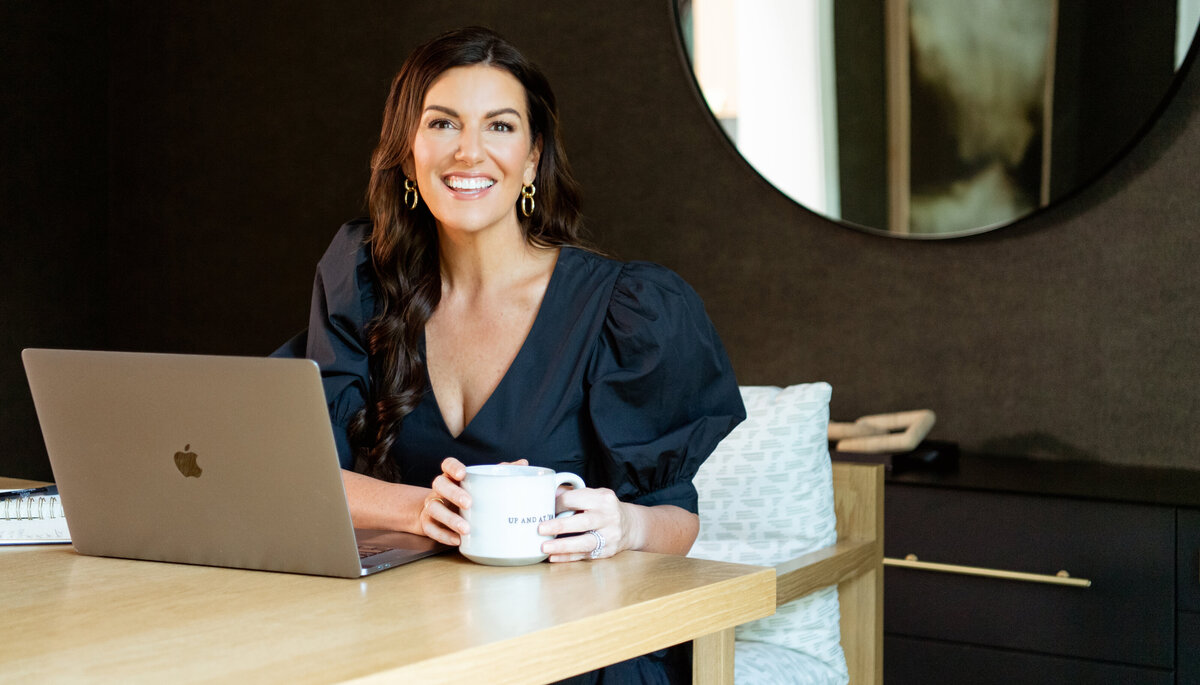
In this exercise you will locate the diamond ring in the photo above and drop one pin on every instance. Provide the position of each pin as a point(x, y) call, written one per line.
point(599, 544)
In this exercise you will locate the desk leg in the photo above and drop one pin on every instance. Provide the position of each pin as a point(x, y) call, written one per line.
point(712, 659)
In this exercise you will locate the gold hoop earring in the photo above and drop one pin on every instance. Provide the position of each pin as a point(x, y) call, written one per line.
point(410, 194)
point(527, 203)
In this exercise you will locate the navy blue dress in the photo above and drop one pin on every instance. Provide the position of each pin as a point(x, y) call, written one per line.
point(622, 380)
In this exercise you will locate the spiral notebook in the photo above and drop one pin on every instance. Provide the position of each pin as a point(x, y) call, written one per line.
point(32, 517)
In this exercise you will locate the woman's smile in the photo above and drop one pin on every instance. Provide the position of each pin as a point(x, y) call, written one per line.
point(470, 186)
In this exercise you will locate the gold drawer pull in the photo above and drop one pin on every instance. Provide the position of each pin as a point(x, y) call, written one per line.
point(1061, 578)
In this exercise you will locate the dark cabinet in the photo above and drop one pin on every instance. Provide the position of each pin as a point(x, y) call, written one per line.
point(909, 660)
point(1189, 648)
point(1187, 580)
point(1188, 564)
point(996, 595)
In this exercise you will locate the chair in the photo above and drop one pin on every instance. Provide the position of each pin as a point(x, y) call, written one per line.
point(769, 495)
point(854, 563)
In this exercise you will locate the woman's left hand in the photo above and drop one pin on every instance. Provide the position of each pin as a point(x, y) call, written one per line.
point(599, 510)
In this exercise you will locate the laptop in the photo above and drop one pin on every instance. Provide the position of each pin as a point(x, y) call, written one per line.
point(195, 459)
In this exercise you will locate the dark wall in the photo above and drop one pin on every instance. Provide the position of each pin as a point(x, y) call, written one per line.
point(53, 200)
point(238, 136)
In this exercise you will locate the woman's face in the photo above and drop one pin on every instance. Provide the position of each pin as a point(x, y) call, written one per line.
point(472, 151)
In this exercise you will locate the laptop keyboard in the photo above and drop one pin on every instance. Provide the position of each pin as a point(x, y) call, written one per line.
point(365, 550)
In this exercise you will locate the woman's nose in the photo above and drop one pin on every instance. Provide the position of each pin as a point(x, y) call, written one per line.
point(470, 148)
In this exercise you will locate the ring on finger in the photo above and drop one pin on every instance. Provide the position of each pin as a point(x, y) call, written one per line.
point(435, 498)
point(595, 553)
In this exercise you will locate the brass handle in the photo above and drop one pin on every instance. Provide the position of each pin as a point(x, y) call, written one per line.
point(1061, 578)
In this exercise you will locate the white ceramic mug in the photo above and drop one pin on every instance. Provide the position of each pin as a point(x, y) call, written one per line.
point(508, 501)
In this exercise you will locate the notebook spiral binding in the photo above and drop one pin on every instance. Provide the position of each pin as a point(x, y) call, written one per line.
point(36, 507)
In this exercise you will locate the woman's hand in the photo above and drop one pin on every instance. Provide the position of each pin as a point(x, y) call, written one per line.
point(439, 517)
point(599, 510)
point(441, 514)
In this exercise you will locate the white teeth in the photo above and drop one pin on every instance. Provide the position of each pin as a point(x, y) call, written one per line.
point(473, 183)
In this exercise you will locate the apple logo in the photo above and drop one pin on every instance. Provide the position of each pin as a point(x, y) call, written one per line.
point(185, 461)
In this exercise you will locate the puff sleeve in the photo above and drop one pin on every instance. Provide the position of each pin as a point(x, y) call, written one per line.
point(343, 302)
point(662, 392)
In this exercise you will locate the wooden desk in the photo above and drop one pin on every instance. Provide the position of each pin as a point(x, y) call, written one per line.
point(441, 619)
point(14, 483)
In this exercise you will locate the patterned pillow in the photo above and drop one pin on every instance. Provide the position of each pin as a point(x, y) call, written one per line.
point(759, 663)
point(766, 496)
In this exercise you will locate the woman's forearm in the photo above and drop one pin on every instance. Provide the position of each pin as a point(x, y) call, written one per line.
point(380, 505)
point(665, 528)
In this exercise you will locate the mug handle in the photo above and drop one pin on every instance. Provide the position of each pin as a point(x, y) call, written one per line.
point(566, 478)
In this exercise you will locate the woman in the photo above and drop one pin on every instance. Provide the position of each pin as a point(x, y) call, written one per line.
point(464, 324)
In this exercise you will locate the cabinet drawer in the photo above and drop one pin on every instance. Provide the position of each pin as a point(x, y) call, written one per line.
point(910, 661)
point(1126, 616)
point(1189, 649)
point(1189, 561)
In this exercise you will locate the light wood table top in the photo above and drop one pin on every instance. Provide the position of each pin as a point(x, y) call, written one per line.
point(442, 619)
point(18, 483)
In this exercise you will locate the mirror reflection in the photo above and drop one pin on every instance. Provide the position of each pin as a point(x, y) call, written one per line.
point(934, 118)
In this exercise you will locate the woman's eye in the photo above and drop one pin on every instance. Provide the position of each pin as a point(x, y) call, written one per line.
point(440, 123)
point(502, 126)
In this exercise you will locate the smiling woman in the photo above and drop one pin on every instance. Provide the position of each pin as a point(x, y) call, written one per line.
point(465, 323)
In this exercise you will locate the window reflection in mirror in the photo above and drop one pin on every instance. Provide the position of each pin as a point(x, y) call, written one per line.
point(934, 118)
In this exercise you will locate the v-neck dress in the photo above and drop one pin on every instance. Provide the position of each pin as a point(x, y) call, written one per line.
point(621, 379)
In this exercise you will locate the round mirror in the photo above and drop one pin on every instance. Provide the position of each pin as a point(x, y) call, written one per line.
point(934, 118)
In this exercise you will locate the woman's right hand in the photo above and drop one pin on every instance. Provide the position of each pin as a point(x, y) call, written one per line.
point(441, 514)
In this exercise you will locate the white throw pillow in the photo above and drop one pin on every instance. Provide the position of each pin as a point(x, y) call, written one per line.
point(759, 663)
point(766, 496)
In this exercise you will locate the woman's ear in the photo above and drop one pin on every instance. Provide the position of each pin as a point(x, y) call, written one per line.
point(531, 165)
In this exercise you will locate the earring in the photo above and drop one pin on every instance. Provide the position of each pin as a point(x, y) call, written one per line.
point(410, 194)
point(527, 203)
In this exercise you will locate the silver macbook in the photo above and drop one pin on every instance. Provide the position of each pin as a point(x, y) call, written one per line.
point(221, 461)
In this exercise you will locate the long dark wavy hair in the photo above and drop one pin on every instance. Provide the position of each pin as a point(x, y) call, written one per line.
point(404, 242)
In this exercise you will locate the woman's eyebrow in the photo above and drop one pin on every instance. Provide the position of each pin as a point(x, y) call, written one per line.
point(498, 112)
point(489, 115)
